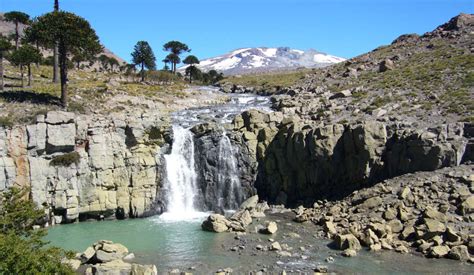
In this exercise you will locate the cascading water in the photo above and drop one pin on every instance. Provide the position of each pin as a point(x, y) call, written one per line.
point(229, 189)
point(181, 177)
point(181, 188)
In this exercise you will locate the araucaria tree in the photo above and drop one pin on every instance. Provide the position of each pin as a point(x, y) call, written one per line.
point(25, 56)
point(5, 46)
point(144, 57)
point(17, 17)
point(72, 34)
point(176, 48)
point(191, 70)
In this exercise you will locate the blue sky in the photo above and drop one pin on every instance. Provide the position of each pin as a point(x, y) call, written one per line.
point(212, 27)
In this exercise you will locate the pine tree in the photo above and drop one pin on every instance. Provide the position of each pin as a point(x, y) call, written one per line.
point(25, 56)
point(72, 34)
point(176, 48)
point(17, 17)
point(144, 57)
point(191, 70)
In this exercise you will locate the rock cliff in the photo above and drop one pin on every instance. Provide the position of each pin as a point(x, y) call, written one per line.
point(298, 164)
point(86, 166)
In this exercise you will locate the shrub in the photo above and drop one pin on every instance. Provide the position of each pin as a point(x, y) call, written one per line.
point(22, 249)
point(66, 159)
point(6, 122)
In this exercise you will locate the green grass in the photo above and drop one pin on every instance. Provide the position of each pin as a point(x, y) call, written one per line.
point(66, 159)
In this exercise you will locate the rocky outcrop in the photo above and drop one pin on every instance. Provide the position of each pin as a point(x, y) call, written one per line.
point(302, 163)
point(117, 172)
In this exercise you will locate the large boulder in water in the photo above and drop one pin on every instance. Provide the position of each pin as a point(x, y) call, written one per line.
point(215, 223)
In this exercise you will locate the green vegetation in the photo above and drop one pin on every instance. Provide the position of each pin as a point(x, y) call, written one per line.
point(176, 48)
point(17, 17)
point(5, 46)
point(66, 159)
point(192, 71)
point(144, 57)
point(25, 56)
point(22, 249)
point(73, 34)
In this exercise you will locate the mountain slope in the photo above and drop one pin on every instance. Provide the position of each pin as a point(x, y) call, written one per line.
point(253, 60)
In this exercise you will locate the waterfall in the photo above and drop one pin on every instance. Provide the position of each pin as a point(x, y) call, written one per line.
point(229, 190)
point(181, 177)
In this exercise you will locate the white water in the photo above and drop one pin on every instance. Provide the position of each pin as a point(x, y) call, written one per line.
point(230, 193)
point(181, 177)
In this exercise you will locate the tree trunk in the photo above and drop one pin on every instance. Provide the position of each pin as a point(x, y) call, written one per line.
point(30, 77)
point(22, 76)
point(63, 72)
point(56, 64)
point(38, 49)
point(17, 35)
point(143, 72)
point(2, 84)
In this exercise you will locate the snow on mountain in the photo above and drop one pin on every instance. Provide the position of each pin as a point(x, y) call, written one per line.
point(263, 59)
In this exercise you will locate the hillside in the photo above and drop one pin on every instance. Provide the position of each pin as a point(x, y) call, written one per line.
point(417, 78)
point(261, 60)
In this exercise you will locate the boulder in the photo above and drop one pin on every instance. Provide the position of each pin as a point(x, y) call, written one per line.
point(250, 203)
point(467, 207)
point(433, 228)
point(439, 251)
point(386, 65)
point(460, 253)
point(87, 254)
point(347, 241)
point(116, 267)
point(270, 228)
point(215, 223)
point(107, 251)
point(243, 217)
point(144, 270)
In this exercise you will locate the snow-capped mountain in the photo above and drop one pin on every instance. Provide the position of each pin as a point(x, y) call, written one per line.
point(251, 60)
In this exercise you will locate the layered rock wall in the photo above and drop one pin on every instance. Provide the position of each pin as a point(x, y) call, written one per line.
point(86, 166)
point(303, 163)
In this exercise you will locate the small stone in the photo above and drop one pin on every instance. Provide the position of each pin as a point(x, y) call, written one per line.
point(349, 253)
point(275, 246)
point(376, 247)
point(330, 259)
point(321, 269)
point(402, 249)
